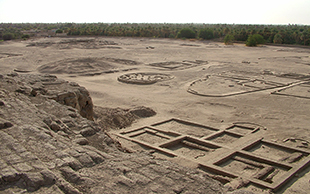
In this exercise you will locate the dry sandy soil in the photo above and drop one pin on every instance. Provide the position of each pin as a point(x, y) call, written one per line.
point(196, 81)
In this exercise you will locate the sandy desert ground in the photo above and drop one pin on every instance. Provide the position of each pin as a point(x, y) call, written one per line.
point(196, 82)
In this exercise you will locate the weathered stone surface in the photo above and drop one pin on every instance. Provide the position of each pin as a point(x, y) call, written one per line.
point(86, 160)
point(16, 147)
point(28, 156)
point(5, 124)
point(24, 90)
point(38, 164)
point(12, 159)
point(72, 95)
point(33, 180)
point(49, 177)
point(54, 126)
point(88, 132)
point(22, 167)
point(81, 141)
point(241, 192)
point(79, 99)
point(138, 178)
point(70, 175)
point(54, 189)
point(121, 179)
point(9, 174)
point(3, 164)
point(73, 163)
point(67, 187)
point(63, 134)
point(95, 157)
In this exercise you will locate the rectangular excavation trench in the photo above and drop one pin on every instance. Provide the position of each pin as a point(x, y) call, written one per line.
point(277, 152)
point(224, 137)
point(150, 135)
point(242, 130)
point(189, 147)
point(217, 152)
point(185, 127)
point(254, 167)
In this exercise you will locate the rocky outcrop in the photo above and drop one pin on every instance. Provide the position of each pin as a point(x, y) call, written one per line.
point(49, 86)
point(77, 98)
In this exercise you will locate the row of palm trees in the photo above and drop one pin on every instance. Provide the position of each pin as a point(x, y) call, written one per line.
point(280, 34)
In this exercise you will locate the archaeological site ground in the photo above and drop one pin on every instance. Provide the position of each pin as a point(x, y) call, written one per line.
point(146, 115)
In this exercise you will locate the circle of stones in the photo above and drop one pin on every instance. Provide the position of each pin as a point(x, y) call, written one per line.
point(143, 78)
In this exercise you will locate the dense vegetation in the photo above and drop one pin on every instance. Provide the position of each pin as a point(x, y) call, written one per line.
point(229, 39)
point(186, 33)
point(279, 34)
point(254, 40)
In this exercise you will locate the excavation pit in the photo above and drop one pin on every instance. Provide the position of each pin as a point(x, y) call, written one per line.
point(185, 127)
point(224, 137)
point(150, 135)
point(190, 147)
point(277, 152)
point(253, 167)
point(226, 155)
point(243, 129)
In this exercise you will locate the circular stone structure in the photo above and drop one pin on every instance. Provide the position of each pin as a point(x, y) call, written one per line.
point(143, 78)
point(220, 86)
point(216, 86)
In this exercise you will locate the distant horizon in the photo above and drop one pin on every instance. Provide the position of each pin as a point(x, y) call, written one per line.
point(239, 12)
point(150, 23)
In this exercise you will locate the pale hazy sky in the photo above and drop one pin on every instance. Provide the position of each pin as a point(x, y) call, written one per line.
point(157, 11)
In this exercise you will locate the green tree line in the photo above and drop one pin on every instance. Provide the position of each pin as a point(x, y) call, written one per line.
point(278, 34)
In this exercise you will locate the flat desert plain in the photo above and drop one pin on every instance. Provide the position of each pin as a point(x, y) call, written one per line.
point(234, 111)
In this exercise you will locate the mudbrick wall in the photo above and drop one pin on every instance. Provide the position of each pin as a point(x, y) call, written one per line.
point(49, 143)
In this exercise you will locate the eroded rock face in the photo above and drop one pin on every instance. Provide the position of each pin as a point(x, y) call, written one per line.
point(49, 86)
point(77, 98)
point(47, 147)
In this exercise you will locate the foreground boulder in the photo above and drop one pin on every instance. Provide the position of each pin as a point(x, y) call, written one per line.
point(48, 147)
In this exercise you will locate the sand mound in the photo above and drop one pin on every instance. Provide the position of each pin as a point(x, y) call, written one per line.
point(87, 65)
point(76, 43)
point(175, 65)
point(117, 118)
